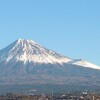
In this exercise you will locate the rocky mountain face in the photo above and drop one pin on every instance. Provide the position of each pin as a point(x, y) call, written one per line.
point(26, 62)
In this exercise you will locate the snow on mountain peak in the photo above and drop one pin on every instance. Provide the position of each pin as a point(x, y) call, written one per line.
point(25, 41)
point(27, 50)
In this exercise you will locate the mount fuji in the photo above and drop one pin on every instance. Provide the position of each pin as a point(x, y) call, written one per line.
point(26, 62)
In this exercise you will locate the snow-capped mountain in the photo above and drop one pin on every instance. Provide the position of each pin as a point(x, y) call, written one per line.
point(26, 62)
point(29, 51)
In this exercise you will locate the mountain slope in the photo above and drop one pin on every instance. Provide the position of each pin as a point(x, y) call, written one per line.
point(83, 63)
point(26, 62)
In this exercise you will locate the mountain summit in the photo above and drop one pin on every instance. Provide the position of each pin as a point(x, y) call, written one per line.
point(29, 51)
point(26, 62)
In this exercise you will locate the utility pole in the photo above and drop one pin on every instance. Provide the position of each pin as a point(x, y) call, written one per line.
point(93, 98)
point(52, 95)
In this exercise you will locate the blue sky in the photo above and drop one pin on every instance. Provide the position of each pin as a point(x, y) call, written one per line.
point(70, 27)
